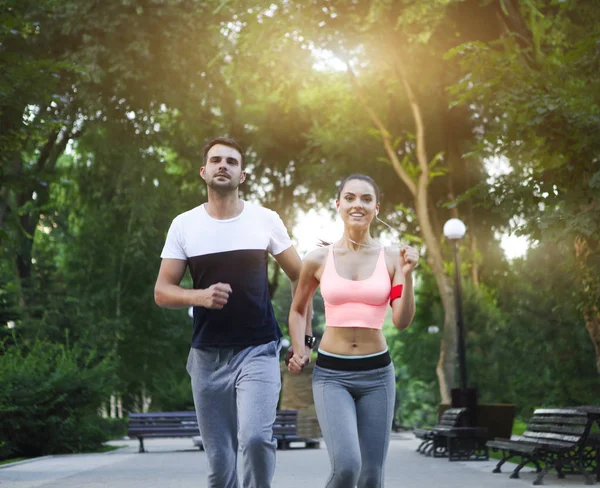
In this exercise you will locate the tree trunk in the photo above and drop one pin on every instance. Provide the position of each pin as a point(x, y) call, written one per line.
point(592, 322)
point(113, 407)
point(53, 148)
point(447, 360)
point(445, 373)
point(475, 256)
point(591, 313)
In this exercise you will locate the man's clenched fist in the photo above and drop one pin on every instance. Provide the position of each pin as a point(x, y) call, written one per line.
point(216, 296)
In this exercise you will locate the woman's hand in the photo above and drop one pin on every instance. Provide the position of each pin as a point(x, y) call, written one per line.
point(297, 363)
point(409, 258)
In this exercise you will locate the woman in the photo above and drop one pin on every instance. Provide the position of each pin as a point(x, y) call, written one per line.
point(353, 379)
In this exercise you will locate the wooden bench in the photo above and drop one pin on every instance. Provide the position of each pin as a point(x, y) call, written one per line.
point(461, 443)
point(590, 456)
point(184, 424)
point(453, 417)
point(162, 424)
point(285, 430)
point(555, 438)
point(451, 438)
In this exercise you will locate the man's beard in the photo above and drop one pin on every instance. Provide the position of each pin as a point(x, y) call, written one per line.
point(223, 188)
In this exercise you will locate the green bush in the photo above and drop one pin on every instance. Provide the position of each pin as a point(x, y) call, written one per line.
point(173, 393)
point(418, 407)
point(114, 428)
point(49, 400)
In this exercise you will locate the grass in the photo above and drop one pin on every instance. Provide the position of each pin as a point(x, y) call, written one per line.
point(103, 448)
point(13, 460)
point(519, 427)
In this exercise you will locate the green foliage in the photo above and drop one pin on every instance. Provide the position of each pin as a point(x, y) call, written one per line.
point(418, 405)
point(526, 341)
point(527, 344)
point(537, 97)
point(49, 399)
point(113, 428)
point(172, 391)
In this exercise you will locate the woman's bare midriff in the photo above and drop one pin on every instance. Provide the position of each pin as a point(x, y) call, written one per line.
point(352, 341)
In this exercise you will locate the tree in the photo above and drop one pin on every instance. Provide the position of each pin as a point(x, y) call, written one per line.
point(537, 95)
point(375, 39)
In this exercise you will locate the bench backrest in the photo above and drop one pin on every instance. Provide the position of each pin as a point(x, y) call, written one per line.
point(557, 425)
point(453, 417)
point(157, 418)
point(163, 422)
point(285, 422)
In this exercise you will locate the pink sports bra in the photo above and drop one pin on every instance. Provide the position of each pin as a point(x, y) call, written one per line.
point(355, 303)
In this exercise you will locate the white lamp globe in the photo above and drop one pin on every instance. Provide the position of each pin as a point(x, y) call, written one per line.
point(454, 229)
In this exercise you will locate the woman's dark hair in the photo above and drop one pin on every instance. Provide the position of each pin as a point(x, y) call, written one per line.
point(225, 141)
point(358, 176)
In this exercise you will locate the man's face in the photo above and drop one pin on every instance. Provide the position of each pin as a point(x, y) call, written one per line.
point(223, 169)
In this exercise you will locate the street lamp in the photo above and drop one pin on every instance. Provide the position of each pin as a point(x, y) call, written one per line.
point(454, 230)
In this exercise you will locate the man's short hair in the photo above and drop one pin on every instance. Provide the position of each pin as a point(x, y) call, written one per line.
point(224, 141)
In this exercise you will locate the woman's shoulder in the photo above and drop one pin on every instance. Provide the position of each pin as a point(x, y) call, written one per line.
point(317, 256)
point(392, 254)
point(393, 250)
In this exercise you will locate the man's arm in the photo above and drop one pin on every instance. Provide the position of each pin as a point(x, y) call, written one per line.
point(168, 292)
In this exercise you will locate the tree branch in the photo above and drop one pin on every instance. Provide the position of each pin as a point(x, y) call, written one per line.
point(402, 174)
point(418, 117)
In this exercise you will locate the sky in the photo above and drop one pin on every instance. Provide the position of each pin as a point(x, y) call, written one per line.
point(316, 225)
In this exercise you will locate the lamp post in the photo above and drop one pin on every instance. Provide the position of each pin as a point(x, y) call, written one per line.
point(454, 230)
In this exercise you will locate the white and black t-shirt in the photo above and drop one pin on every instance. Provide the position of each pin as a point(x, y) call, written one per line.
point(230, 251)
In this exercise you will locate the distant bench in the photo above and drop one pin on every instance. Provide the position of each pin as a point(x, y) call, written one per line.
point(451, 418)
point(184, 424)
point(451, 439)
point(161, 425)
point(285, 430)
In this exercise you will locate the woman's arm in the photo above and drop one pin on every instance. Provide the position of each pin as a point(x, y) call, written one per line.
point(298, 318)
point(403, 308)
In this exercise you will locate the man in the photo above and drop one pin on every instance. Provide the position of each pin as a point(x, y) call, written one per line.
point(234, 358)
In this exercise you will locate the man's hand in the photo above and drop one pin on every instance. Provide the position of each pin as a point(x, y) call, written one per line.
point(297, 362)
point(216, 296)
point(288, 356)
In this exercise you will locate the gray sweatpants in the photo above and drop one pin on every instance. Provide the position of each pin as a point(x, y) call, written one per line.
point(236, 397)
point(355, 411)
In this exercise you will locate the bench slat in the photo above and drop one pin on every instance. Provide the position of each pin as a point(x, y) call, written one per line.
point(580, 420)
point(557, 429)
point(513, 446)
point(557, 411)
point(550, 436)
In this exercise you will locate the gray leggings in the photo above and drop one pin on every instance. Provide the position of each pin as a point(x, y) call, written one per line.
point(355, 411)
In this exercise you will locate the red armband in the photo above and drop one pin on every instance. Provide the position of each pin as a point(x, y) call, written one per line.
point(395, 293)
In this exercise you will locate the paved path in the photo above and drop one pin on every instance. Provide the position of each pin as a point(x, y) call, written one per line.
point(174, 463)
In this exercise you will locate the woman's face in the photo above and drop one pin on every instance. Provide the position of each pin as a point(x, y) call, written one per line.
point(357, 204)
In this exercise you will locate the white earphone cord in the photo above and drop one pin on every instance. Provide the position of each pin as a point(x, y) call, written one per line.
point(371, 245)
